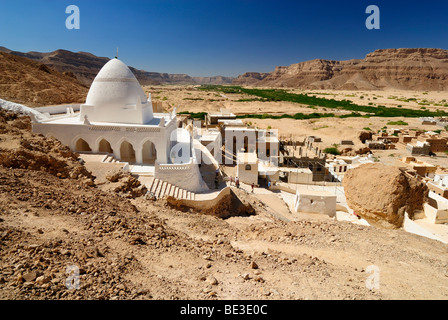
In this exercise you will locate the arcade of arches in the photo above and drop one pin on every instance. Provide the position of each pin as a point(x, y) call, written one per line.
point(127, 150)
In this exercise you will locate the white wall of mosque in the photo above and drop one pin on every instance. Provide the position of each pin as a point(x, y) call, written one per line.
point(134, 144)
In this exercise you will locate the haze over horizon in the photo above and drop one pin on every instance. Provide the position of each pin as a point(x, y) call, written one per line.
point(228, 38)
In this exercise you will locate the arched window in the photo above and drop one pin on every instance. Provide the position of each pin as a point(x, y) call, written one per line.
point(82, 146)
point(104, 146)
point(248, 167)
point(127, 152)
point(149, 153)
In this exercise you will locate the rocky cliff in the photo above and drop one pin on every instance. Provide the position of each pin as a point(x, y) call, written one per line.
point(413, 69)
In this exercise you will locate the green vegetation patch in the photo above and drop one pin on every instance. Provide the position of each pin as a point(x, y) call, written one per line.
point(253, 99)
point(282, 95)
point(333, 151)
point(297, 116)
point(397, 123)
point(195, 115)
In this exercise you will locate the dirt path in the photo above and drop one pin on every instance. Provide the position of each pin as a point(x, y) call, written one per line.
point(339, 251)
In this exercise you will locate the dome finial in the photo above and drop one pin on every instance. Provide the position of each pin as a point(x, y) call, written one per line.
point(116, 57)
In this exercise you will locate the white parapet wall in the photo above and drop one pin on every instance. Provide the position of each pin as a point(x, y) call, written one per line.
point(436, 210)
point(415, 228)
point(311, 201)
point(185, 176)
point(60, 109)
point(435, 215)
point(20, 108)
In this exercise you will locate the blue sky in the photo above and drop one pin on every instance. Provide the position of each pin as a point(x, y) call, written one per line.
point(211, 37)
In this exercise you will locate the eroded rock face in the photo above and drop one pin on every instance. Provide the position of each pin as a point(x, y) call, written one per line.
point(412, 69)
point(249, 78)
point(382, 194)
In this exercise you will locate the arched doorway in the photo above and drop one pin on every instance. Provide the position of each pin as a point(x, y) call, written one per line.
point(149, 153)
point(104, 146)
point(127, 152)
point(82, 146)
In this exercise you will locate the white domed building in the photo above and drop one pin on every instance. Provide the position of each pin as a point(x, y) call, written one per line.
point(118, 120)
point(116, 96)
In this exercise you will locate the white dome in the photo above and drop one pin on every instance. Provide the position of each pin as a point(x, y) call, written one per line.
point(115, 85)
point(115, 69)
point(115, 94)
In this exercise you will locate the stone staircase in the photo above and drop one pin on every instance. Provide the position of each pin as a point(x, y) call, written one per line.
point(109, 158)
point(162, 188)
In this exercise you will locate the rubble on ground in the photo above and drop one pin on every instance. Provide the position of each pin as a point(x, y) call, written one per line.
point(22, 149)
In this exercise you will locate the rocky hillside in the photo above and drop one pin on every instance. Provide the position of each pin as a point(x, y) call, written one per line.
point(408, 69)
point(35, 84)
point(57, 218)
point(85, 66)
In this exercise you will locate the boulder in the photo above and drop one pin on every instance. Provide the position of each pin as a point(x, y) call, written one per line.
point(365, 135)
point(382, 194)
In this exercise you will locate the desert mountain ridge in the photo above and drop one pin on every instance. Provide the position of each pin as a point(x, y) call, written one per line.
point(85, 66)
point(37, 79)
point(402, 69)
